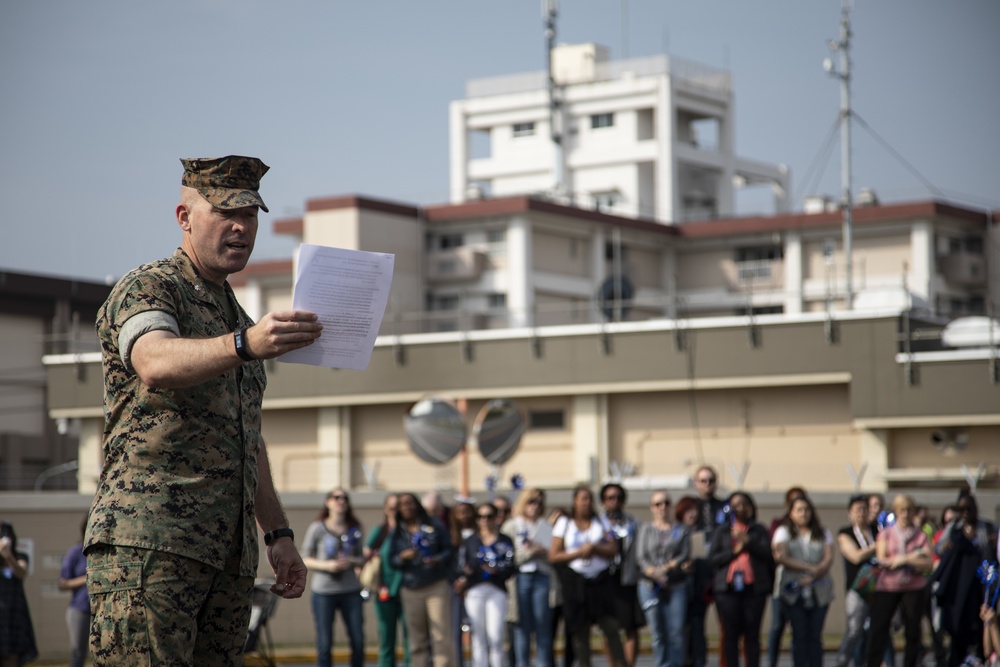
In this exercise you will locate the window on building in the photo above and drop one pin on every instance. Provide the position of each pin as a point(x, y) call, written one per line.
point(496, 301)
point(446, 241)
point(973, 244)
point(756, 263)
point(599, 120)
point(496, 242)
point(443, 301)
point(546, 419)
point(609, 252)
point(446, 266)
point(758, 253)
point(524, 129)
point(645, 125)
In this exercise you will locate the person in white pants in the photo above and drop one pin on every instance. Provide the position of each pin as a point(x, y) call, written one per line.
point(489, 562)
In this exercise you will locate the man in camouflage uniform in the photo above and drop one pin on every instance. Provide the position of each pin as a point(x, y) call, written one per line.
point(171, 544)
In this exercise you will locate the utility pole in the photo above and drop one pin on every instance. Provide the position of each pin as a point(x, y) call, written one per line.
point(842, 71)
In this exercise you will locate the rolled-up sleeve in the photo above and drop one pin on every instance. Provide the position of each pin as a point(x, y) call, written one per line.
point(141, 324)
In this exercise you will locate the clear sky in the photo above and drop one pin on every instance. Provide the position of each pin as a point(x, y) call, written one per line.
point(99, 99)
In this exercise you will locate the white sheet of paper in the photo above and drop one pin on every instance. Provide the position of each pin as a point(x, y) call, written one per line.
point(348, 290)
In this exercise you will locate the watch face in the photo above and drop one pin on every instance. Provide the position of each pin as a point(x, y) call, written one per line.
point(240, 341)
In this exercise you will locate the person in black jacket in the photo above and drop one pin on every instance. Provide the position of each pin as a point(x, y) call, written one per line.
point(710, 515)
point(421, 548)
point(488, 555)
point(965, 543)
point(743, 576)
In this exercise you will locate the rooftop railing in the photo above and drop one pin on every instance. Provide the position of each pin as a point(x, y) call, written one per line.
point(684, 71)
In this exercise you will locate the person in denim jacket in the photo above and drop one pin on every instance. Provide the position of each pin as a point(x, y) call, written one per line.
point(421, 548)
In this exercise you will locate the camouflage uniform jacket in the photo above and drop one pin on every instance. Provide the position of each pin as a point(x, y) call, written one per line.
point(180, 465)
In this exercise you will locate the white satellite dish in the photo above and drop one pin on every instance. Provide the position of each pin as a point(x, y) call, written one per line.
point(971, 332)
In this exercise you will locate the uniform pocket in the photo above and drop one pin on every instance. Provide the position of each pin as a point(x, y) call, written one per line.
point(119, 631)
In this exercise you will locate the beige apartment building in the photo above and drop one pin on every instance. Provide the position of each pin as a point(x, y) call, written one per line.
point(40, 315)
point(735, 348)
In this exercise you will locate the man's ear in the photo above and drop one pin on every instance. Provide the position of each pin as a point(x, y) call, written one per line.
point(183, 217)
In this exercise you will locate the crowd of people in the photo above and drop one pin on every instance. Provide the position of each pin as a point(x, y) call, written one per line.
point(512, 576)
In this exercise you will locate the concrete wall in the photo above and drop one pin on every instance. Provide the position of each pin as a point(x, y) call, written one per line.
point(795, 391)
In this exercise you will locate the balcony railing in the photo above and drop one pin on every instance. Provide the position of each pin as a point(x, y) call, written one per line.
point(963, 268)
point(456, 264)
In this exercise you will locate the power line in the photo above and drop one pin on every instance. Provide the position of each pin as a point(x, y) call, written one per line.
point(892, 151)
point(825, 150)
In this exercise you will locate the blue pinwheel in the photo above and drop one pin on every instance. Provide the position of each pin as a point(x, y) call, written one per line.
point(989, 575)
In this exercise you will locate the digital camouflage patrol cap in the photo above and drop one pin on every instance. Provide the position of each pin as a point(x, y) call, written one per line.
point(226, 182)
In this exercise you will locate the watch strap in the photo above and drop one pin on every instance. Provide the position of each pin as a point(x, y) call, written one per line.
point(275, 534)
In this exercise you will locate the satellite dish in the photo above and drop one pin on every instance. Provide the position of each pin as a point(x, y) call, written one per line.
point(499, 426)
point(606, 296)
point(971, 332)
point(435, 429)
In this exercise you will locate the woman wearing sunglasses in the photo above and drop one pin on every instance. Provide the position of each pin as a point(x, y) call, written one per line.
point(662, 548)
point(488, 555)
point(421, 548)
point(332, 548)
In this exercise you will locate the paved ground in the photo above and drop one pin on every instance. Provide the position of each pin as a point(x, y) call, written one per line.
point(285, 659)
point(298, 657)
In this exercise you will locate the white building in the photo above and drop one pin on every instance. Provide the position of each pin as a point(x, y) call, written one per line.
point(649, 137)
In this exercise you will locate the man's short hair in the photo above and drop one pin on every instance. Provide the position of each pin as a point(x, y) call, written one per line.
point(857, 498)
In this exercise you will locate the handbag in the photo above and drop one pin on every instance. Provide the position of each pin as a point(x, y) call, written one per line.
point(865, 581)
point(371, 572)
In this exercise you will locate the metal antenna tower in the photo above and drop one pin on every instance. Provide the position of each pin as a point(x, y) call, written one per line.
point(842, 71)
point(550, 9)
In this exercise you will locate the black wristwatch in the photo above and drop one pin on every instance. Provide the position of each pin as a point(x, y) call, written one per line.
point(275, 534)
point(240, 340)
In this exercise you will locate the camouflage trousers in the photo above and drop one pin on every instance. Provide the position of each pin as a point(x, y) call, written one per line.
point(155, 608)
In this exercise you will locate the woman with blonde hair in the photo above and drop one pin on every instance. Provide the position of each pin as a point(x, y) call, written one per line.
point(904, 554)
point(532, 536)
